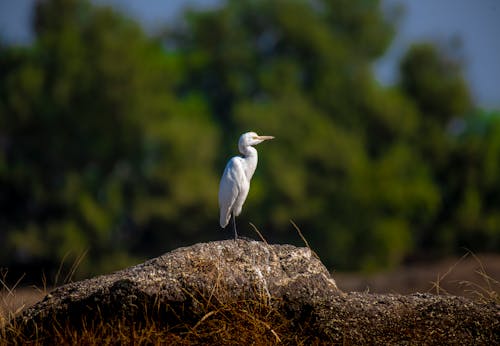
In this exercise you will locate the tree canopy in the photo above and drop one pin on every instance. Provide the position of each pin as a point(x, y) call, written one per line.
point(112, 142)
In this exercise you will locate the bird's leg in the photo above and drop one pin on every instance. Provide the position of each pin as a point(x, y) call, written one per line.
point(234, 227)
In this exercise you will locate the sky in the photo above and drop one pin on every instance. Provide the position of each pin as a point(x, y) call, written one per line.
point(475, 23)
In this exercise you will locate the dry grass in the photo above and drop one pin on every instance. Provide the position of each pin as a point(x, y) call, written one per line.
point(472, 276)
point(484, 288)
point(254, 322)
point(14, 300)
point(250, 322)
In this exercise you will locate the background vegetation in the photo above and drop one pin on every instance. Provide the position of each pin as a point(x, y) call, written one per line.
point(112, 142)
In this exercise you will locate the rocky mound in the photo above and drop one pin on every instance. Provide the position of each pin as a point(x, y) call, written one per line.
point(187, 285)
point(225, 271)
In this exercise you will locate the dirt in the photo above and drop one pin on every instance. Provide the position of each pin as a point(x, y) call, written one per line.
point(473, 276)
point(14, 301)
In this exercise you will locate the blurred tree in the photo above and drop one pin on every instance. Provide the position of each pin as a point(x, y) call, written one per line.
point(302, 72)
point(433, 80)
point(97, 152)
point(110, 141)
point(472, 189)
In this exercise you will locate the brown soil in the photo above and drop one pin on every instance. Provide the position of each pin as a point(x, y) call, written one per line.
point(469, 276)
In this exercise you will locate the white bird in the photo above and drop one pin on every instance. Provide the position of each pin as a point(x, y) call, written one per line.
point(235, 181)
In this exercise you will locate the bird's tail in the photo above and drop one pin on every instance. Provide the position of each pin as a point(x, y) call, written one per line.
point(224, 218)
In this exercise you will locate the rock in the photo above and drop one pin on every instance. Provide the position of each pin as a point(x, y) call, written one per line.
point(194, 284)
point(416, 319)
point(223, 271)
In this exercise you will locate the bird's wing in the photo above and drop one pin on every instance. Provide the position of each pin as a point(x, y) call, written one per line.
point(229, 188)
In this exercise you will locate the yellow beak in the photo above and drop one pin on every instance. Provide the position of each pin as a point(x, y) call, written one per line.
point(264, 138)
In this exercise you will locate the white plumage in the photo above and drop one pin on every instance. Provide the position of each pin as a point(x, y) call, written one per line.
point(235, 181)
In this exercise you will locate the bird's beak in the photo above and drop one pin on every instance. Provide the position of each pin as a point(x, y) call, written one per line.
point(264, 138)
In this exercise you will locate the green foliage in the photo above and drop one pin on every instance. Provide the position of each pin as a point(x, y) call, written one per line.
point(440, 98)
point(113, 142)
point(336, 129)
point(95, 143)
point(475, 187)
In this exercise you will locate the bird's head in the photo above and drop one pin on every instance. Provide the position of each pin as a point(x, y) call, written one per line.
point(251, 138)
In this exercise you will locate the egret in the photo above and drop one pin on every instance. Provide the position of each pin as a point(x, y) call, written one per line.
point(235, 181)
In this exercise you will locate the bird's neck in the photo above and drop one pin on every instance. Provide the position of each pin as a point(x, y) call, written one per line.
point(251, 158)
